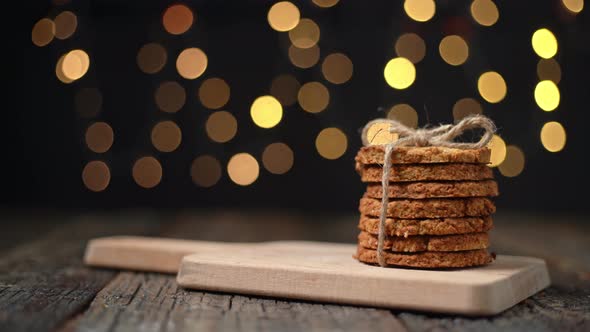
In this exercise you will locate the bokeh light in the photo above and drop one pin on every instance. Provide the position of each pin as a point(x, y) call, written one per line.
point(513, 165)
point(549, 69)
point(283, 16)
point(221, 126)
point(399, 73)
point(75, 64)
point(405, 114)
point(170, 97)
point(313, 97)
point(96, 175)
point(325, 3)
point(574, 6)
point(547, 95)
point(65, 25)
point(331, 143)
point(420, 10)
point(337, 68)
point(553, 136)
point(266, 111)
point(484, 12)
point(285, 88)
point(306, 34)
point(177, 19)
point(544, 43)
point(243, 169)
point(278, 158)
point(166, 136)
point(214, 93)
point(205, 171)
point(410, 46)
point(304, 57)
point(59, 70)
point(99, 137)
point(88, 102)
point(492, 87)
point(147, 172)
point(191, 63)
point(498, 153)
point(378, 134)
point(464, 107)
point(453, 50)
point(43, 32)
point(151, 58)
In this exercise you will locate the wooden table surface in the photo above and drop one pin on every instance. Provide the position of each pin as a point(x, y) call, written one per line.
point(44, 286)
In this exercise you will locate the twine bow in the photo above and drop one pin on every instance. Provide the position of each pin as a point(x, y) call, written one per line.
point(442, 135)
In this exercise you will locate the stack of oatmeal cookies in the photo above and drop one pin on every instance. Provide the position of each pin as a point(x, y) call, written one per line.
point(439, 209)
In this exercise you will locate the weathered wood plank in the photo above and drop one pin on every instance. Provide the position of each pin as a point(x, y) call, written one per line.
point(153, 302)
point(43, 283)
point(550, 310)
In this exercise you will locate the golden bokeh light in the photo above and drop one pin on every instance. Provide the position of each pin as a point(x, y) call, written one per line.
point(147, 172)
point(453, 50)
point(191, 63)
point(465, 107)
point(75, 64)
point(420, 10)
point(313, 97)
point(221, 126)
point(513, 165)
point(151, 58)
point(177, 19)
point(96, 175)
point(205, 171)
point(306, 34)
point(88, 102)
point(331, 143)
point(549, 69)
point(59, 70)
point(544, 43)
point(166, 136)
point(399, 73)
point(283, 16)
point(410, 46)
point(285, 88)
point(99, 137)
point(498, 147)
point(43, 32)
point(337, 68)
point(65, 25)
point(266, 111)
point(214, 93)
point(243, 169)
point(278, 158)
point(325, 3)
point(547, 95)
point(553, 136)
point(170, 97)
point(405, 114)
point(304, 57)
point(492, 87)
point(379, 134)
point(484, 12)
point(574, 6)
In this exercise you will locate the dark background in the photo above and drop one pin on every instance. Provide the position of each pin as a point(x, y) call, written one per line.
point(46, 135)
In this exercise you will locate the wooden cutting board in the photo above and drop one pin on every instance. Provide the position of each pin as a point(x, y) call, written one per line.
point(325, 272)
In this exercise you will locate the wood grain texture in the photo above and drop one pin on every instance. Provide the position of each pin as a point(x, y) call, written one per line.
point(44, 283)
point(153, 302)
point(563, 241)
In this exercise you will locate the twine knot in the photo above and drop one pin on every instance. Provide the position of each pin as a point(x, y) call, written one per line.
point(442, 135)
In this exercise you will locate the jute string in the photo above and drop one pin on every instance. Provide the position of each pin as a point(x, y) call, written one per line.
point(442, 135)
